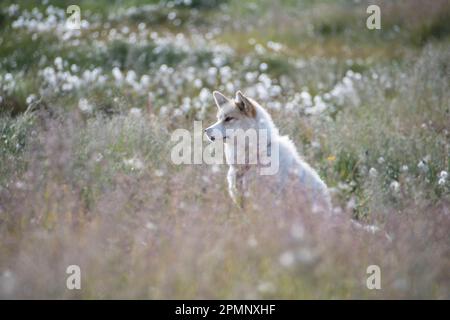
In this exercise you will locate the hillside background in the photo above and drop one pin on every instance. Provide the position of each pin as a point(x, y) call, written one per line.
point(85, 171)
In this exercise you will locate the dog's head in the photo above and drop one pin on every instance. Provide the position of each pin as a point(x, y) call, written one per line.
point(239, 113)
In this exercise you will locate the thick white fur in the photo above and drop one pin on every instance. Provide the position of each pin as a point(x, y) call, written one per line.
point(291, 168)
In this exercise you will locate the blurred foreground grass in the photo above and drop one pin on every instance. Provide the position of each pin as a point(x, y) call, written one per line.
point(85, 171)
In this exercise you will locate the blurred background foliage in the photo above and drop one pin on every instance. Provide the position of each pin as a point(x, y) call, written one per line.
point(86, 117)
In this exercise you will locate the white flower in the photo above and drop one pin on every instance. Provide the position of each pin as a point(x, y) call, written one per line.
point(131, 77)
point(117, 74)
point(31, 98)
point(275, 46)
point(442, 177)
point(135, 112)
point(394, 186)
point(305, 255)
point(266, 287)
point(150, 226)
point(7, 282)
point(8, 77)
point(85, 106)
point(134, 163)
point(141, 26)
point(145, 81)
point(287, 259)
point(198, 83)
point(319, 106)
point(297, 231)
point(59, 63)
point(159, 173)
point(422, 166)
point(172, 15)
point(252, 242)
point(306, 98)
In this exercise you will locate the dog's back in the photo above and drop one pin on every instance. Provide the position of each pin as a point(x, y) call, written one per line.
point(297, 176)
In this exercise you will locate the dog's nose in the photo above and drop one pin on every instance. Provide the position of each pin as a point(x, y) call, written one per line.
point(212, 138)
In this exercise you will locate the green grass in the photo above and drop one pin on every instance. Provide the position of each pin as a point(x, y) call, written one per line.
point(96, 186)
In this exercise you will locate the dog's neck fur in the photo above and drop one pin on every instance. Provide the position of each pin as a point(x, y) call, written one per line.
point(263, 121)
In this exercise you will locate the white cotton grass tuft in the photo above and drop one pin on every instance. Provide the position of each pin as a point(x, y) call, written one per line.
point(422, 165)
point(287, 259)
point(443, 175)
point(394, 186)
point(135, 112)
point(134, 163)
point(85, 106)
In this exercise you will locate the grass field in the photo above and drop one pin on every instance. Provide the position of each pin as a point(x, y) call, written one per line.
point(86, 177)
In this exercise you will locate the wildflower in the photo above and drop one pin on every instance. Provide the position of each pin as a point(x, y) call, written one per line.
point(442, 177)
point(74, 68)
point(319, 106)
point(422, 165)
point(275, 46)
point(141, 26)
point(394, 186)
point(145, 81)
point(84, 106)
point(134, 163)
point(198, 83)
point(131, 77)
point(351, 204)
point(7, 282)
point(305, 255)
point(297, 231)
point(331, 158)
point(287, 259)
point(252, 242)
point(31, 98)
point(266, 287)
point(263, 66)
point(259, 49)
point(150, 226)
point(117, 74)
point(8, 77)
point(172, 15)
point(159, 173)
point(135, 112)
point(215, 168)
point(98, 157)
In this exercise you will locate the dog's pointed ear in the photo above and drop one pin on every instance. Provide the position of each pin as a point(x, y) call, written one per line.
point(220, 99)
point(245, 105)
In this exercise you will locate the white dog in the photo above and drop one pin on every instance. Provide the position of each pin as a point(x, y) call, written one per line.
point(248, 131)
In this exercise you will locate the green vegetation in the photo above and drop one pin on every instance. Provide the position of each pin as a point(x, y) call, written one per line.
point(85, 171)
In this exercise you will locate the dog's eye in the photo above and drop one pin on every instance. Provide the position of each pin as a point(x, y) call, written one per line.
point(228, 119)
